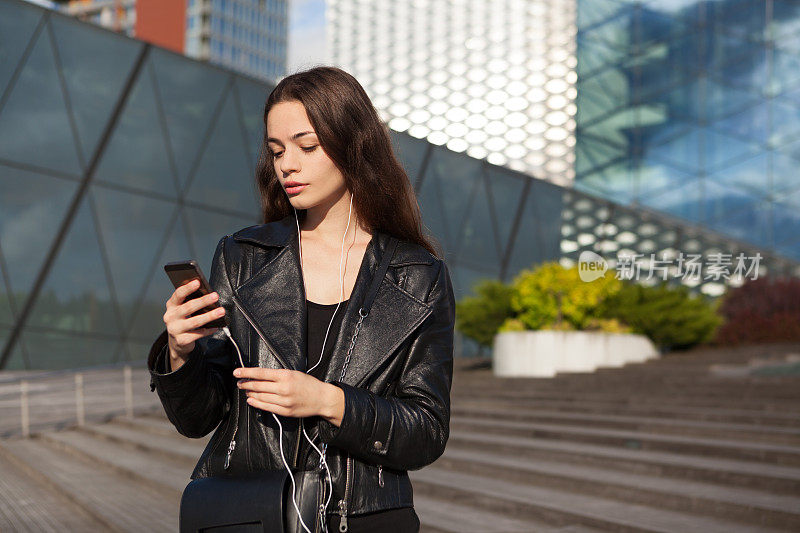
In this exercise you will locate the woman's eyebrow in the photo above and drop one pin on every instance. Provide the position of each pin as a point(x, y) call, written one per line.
point(294, 137)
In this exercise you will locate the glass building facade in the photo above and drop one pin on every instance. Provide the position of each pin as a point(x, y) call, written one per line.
point(248, 36)
point(692, 108)
point(112, 167)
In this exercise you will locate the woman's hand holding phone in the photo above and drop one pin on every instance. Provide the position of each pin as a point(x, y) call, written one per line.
point(184, 329)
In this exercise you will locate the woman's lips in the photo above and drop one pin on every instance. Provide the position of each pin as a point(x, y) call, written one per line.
point(296, 189)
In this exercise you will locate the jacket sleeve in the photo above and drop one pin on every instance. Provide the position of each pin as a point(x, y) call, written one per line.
point(408, 429)
point(196, 395)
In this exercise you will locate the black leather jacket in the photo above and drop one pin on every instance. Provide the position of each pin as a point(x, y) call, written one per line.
point(396, 387)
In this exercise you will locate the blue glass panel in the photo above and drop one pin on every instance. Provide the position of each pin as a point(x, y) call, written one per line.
point(785, 71)
point(751, 175)
point(190, 93)
point(617, 128)
point(223, 178)
point(654, 26)
point(750, 223)
point(596, 12)
point(60, 350)
point(682, 200)
point(93, 86)
point(538, 236)
point(410, 151)
point(747, 72)
point(742, 18)
point(464, 278)
point(17, 23)
point(750, 125)
point(720, 100)
point(76, 295)
point(594, 56)
point(136, 154)
point(616, 31)
point(148, 319)
point(614, 181)
point(505, 188)
point(723, 150)
point(478, 239)
point(720, 200)
point(791, 149)
point(785, 122)
point(681, 152)
point(34, 125)
point(591, 154)
point(785, 174)
point(252, 98)
point(207, 227)
point(655, 177)
point(786, 223)
point(131, 248)
point(32, 208)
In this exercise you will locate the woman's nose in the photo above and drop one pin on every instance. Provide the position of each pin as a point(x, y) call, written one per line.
point(289, 161)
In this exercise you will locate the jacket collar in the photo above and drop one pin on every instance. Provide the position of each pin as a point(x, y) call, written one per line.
point(274, 298)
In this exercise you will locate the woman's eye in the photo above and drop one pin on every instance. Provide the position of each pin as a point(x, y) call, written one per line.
point(277, 154)
point(310, 148)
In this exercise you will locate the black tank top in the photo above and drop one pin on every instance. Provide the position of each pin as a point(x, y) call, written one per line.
point(401, 520)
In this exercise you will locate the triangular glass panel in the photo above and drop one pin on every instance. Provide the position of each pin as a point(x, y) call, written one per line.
point(93, 86)
point(33, 209)
point(148, 320)
point(721, 199)
point(19, 359)
point(478, 241)
point(614, 181)
point(75, 295)
point(466, 278)
point(190, 93)
point(53, 350)
point(785, 223)
point(223, 179)
point(136, 155)
point(723, 150)
point(131, 248)
point(597, 12)
point(538, 236)
point(431, 205)
point(34, 125)
point(681, 200)
point(455, 175)
point(505, 194)
point(252, 98)
point(206, 228)
point(18, 21)
point(410, 152)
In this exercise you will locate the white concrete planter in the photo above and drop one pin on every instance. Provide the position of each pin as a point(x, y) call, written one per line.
point(544, 353)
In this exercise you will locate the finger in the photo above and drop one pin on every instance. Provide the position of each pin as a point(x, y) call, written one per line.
point(268, 397)
point(256, 372)
point(270, 407)
point(195, 304)
point(183, 291)
point(191, 336)
point(258, 385)
point(195, 322)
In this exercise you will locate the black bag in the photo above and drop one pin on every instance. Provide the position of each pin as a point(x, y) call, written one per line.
point(261, 501)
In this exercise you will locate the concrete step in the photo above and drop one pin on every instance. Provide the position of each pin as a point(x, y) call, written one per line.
point(768, 453)
point(29, 506)
point(736, 503)
point(174, 447)
point(119, 503)
point(728, 472)
point(557, 507)
point(732, 416)
point(771, 434)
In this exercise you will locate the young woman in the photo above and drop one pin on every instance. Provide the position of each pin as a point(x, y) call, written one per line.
point(332, 194)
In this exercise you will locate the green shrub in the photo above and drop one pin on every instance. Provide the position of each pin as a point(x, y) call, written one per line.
point(550, 295)
point(670, 316)
point(480, 317)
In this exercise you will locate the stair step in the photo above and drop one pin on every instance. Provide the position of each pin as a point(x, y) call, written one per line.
point(564, 508)
point(639, 423)
point(121, 504)
point(679, 495)
point(776, 478)
point(29, 506)
point(176, 447)
point(770, 453)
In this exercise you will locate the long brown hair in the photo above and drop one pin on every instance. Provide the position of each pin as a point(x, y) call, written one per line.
point(357, 141)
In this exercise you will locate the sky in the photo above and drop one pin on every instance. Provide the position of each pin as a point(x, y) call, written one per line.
point(306, 46)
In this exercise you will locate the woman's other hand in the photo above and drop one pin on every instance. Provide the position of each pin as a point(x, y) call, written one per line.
point(183, 329)
point(291, 393)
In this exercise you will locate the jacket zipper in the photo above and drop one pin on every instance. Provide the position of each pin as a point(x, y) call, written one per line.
point(297, 444)
point(380, 475)
point(343, 501)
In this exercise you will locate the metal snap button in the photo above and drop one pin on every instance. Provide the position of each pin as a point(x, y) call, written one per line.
point(377, 445)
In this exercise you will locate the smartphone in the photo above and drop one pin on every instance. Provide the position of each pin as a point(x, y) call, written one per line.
point(181, 273)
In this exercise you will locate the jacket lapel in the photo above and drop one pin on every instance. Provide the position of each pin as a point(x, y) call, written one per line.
point(274, 298)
